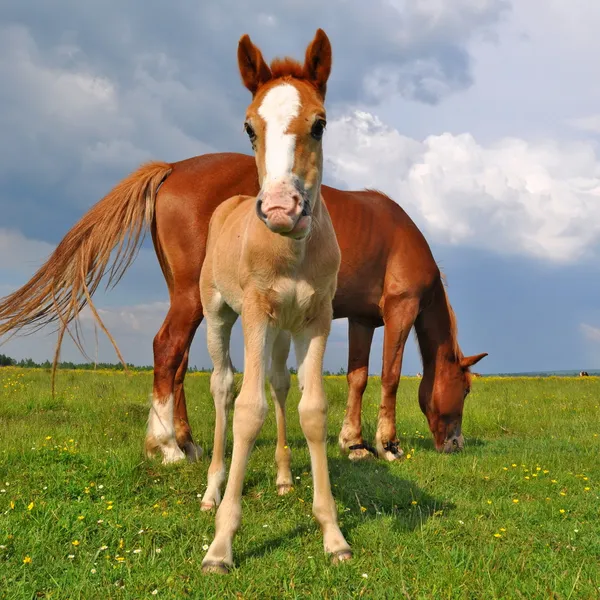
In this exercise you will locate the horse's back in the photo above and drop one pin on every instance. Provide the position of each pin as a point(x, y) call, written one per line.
point(383, 253)
point(383, 250)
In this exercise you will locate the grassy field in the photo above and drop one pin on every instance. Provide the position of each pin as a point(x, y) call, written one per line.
point(84, 515)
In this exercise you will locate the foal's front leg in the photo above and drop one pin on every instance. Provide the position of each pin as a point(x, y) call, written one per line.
point(249, 414)
point(219, 323)
point(313, 420)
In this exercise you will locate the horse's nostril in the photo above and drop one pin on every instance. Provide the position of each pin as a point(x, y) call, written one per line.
point(455, 442)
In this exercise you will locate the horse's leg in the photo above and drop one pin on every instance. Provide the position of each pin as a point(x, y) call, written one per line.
point(183, 431)
point(170, 345)
point(350, 439)
point(399, 315)
point(249, 416)
point(279, 378)
point(218, 334)
point(310, 348)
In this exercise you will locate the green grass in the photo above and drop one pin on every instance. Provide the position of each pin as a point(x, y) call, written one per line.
point(516, 515)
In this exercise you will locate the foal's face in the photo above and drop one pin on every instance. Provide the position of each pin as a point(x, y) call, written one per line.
point(285, 123)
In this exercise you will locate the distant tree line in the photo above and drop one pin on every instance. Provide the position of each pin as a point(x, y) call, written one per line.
point(28, 363)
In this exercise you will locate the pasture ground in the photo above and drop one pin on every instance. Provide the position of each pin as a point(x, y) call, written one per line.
point(84, 515)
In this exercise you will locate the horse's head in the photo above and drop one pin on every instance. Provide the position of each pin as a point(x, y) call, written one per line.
point(442, 397)
point(285, 123)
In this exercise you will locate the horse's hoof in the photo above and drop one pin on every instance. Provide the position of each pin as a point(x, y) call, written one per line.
point(392, 456)
point(284, 488)
point(390, 452)
point(361, 454)
point(207, 506)
point(213, 566)
point(341, 556)
point(194, 452)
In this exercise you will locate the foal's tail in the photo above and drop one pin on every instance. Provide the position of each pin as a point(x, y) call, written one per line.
point(72, 273)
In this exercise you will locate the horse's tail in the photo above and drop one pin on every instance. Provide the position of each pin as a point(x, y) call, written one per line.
point(67, 280)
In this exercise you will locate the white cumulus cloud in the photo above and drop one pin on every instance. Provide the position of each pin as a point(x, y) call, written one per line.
point(540, 199)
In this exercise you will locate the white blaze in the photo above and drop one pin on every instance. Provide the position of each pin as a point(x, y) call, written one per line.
point(279, 107)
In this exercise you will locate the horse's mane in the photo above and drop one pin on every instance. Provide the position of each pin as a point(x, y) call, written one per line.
point(452, 317)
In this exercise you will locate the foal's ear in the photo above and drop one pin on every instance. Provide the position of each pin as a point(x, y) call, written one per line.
point(469, 361)
point(317, 64)
point(253, 68)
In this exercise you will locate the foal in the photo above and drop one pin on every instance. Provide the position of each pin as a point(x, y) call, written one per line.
point(273, 259)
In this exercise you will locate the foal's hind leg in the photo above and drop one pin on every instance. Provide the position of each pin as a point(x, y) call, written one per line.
point(219, 324)
point(350, 438)
point(279, 378)
point(399, 315)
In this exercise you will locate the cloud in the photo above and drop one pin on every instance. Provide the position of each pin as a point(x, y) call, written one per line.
point(537, 199)
point(590, 123)
point(590, 332)
point(90, 91)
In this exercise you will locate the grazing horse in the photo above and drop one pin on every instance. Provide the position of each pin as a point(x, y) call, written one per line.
point(273, 259)
point(584, 374)
point(388, 277)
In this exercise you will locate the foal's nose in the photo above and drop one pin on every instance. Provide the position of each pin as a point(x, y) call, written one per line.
point(279, 206)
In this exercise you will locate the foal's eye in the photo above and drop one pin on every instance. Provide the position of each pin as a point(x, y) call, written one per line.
point(251, 133)
point(318, 128)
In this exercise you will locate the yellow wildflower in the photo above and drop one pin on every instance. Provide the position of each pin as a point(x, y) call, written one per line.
point(30, 506)
point(75, 542)
point(27, 560)
point(497, 535)
point(516, 500)
point(363, 509)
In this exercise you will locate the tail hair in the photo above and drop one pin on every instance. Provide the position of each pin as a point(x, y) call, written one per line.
point(65, 283)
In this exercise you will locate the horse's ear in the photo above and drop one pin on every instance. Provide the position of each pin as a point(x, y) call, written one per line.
point(317, 64)
point(253, 68)
point(468, 361)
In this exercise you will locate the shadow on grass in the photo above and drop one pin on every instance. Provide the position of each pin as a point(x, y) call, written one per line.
point(368, 491)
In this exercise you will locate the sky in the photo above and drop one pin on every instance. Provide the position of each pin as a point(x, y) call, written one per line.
point(480, 118)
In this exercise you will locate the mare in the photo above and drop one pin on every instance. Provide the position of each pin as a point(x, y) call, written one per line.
point(388, 277)
point(272, 259)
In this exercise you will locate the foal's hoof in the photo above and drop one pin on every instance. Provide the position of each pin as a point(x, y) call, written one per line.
point(341, 556)
point(207, 506)
point(284, 488)
point(213, 566)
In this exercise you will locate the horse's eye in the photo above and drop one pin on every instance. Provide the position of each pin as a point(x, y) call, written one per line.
point(251, 133)
point(318, 128)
